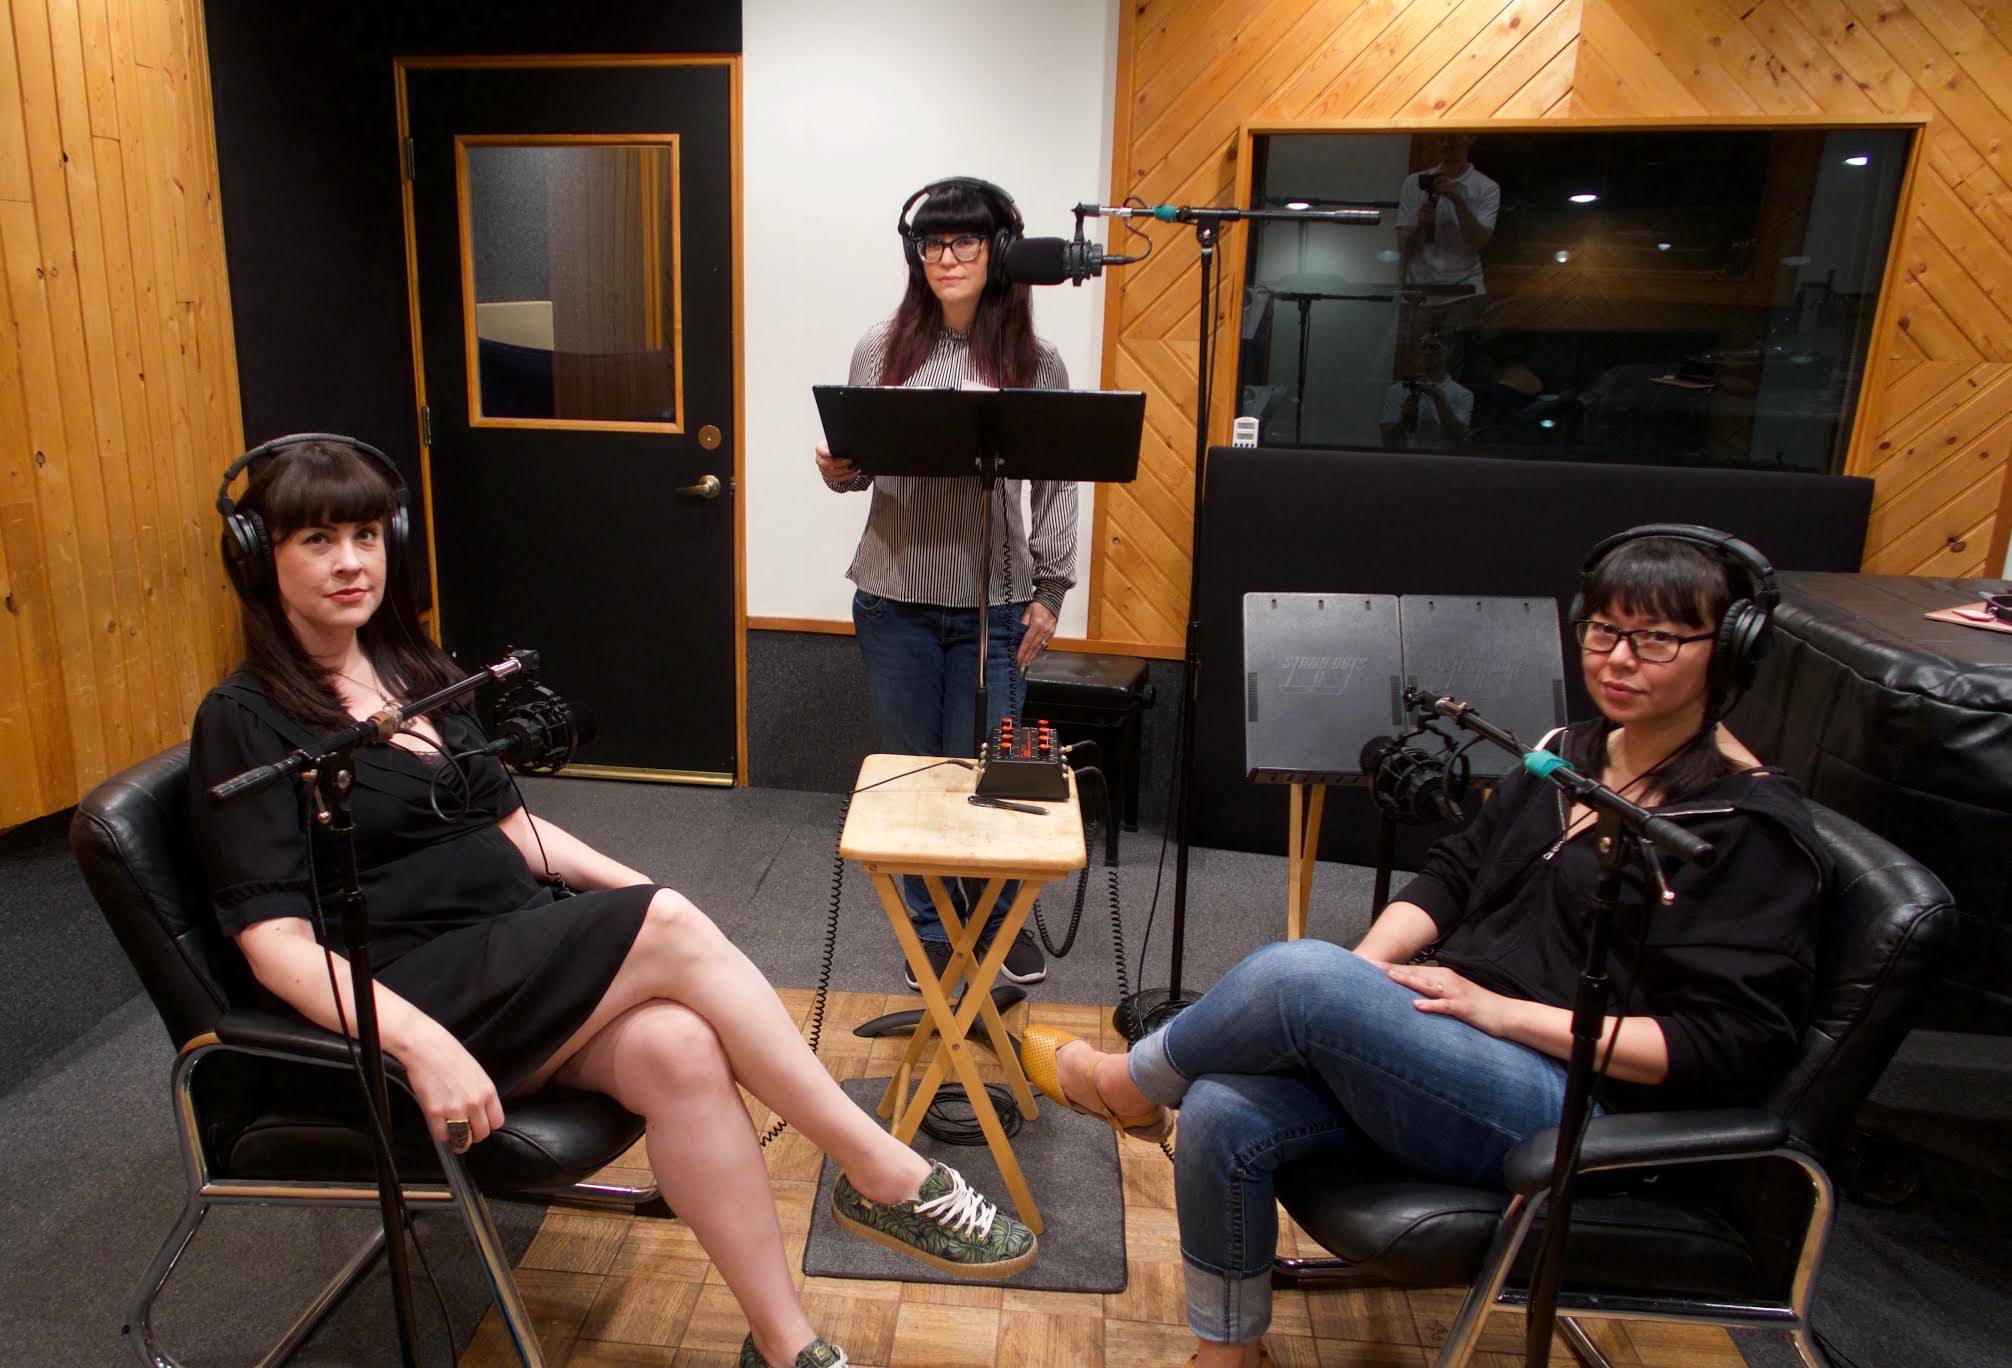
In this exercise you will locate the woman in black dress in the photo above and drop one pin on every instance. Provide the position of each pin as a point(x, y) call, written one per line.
point(489, 983)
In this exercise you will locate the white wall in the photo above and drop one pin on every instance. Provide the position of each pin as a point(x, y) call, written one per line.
point(847, 109)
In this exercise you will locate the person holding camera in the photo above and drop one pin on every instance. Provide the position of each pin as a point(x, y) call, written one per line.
point(1445, 217)
point(1430, 409)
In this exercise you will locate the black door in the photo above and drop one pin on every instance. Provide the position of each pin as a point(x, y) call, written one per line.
point(572, 234)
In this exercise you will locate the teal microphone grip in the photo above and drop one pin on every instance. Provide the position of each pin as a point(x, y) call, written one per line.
point(1543, 763)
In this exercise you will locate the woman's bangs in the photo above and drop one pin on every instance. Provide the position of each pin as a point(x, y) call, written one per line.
point(319, 484)
point(956, 209)
point(1660, 577)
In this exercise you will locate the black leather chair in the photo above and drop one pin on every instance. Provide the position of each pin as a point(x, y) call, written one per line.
point(261, 1117)
point(1716, 1215)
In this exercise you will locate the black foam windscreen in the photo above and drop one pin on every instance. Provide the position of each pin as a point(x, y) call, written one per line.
point(1038, 261)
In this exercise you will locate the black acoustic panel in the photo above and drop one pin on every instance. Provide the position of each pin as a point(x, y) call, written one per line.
point(1399, 523)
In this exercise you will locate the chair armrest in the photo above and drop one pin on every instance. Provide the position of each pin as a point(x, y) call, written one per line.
point(254, 1028)
point(1636, 1139)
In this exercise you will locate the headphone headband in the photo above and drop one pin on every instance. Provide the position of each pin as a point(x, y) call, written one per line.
point(278, 444)
point(1761, 585)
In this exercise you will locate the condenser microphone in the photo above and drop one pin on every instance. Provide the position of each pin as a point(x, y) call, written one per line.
point(1053, 260)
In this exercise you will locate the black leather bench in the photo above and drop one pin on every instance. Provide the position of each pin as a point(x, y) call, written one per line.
point(1096, 698)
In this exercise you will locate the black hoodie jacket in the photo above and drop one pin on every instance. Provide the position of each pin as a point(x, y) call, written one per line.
point(1726, 970)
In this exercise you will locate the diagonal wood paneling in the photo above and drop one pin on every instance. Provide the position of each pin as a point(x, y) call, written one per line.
point(118, 392)
point(1934, 434)
point(1191, 74)
point(1934, 430)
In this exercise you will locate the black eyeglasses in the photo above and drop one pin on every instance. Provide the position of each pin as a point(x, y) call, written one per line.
point(1651, 645)
point(963, 247)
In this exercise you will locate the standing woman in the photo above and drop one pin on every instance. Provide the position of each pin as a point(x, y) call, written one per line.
point(489, 982)
point(915, 610)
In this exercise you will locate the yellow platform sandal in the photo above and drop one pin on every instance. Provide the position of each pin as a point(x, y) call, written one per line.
point(1038, 1047)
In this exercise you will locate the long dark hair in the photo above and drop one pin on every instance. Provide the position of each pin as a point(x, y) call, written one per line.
point(1678, 581)
point(1003, 351)
point(309, 485)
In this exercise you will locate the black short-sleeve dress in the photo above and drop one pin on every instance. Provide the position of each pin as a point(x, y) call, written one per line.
point(460, 928)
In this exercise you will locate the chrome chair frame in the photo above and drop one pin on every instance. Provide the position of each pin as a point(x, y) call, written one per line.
point(206, 1191)
point(1489, 1291)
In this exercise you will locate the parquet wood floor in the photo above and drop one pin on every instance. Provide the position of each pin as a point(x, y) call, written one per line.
point(618, 1292)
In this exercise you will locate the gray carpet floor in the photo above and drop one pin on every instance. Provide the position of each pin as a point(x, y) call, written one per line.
point(1071, 1163)
point(95, 1182)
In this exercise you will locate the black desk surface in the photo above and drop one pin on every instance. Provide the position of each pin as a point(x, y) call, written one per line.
point(1876, 624)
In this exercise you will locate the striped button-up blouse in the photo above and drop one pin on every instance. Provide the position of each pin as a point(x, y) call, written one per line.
point(921, 538)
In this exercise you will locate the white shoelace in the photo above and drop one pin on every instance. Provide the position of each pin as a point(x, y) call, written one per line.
point(961, 1209)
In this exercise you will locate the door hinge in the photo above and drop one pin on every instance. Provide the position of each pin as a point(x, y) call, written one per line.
point(411, 161)
point(426, 424)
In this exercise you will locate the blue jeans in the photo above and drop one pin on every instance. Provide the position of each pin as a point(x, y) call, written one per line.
point(922, 668)
point(1302, 1051)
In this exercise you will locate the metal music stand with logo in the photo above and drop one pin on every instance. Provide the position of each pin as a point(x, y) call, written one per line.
point(1325, 673)
point(989, 434)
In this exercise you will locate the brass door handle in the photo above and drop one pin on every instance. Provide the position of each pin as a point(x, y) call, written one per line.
point(707, 488)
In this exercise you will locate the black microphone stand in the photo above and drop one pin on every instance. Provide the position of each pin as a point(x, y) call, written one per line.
point(328, 772)
point(1621, 834)
point(1149, 1008)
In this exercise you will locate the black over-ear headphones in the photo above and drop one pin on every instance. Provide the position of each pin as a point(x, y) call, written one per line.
point(1741, 641)
point(1008, 227)
point(247, 543)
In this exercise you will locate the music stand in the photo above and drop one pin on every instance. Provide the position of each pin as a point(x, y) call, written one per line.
point(1012, 434)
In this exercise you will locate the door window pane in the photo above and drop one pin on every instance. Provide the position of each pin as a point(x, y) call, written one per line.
point(572, 283)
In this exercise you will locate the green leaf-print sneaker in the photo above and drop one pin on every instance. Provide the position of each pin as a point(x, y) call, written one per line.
point(949, 1226)
point(816, 1354)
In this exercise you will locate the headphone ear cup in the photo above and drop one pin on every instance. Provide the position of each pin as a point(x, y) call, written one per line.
point(995, 264)
point(247, 552)
point(397, 537)
point(1737, 651)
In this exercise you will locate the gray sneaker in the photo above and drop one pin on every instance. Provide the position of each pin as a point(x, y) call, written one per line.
point(947, 1226)
point(816, 1354)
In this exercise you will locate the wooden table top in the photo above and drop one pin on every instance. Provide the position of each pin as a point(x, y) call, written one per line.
point(921, 824)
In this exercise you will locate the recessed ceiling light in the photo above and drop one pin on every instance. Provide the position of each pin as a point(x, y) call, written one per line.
point(1388, 254)
point(1298, 204)
point(1547, 422)
point(1857, 159)
point(1584, 197)
point(1562, 256)
point(1662, 246)
point(1795, 261)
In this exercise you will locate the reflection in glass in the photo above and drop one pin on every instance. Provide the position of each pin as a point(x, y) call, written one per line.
point(574, 263)
point(1669, 297)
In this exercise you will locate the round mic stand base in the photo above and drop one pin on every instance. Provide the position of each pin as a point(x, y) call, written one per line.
point(1149, 1009)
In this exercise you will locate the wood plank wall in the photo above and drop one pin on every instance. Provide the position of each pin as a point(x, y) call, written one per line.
point(118, 392)
point(1938, 425)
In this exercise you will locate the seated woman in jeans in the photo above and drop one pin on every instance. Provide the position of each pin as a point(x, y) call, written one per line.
point(1439, 1041)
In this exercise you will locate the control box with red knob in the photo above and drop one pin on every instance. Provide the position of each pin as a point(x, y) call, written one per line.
point(1022, 762)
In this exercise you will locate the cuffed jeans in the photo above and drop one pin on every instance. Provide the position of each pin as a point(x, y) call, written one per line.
point(1305, 1050)
point(922, 668)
